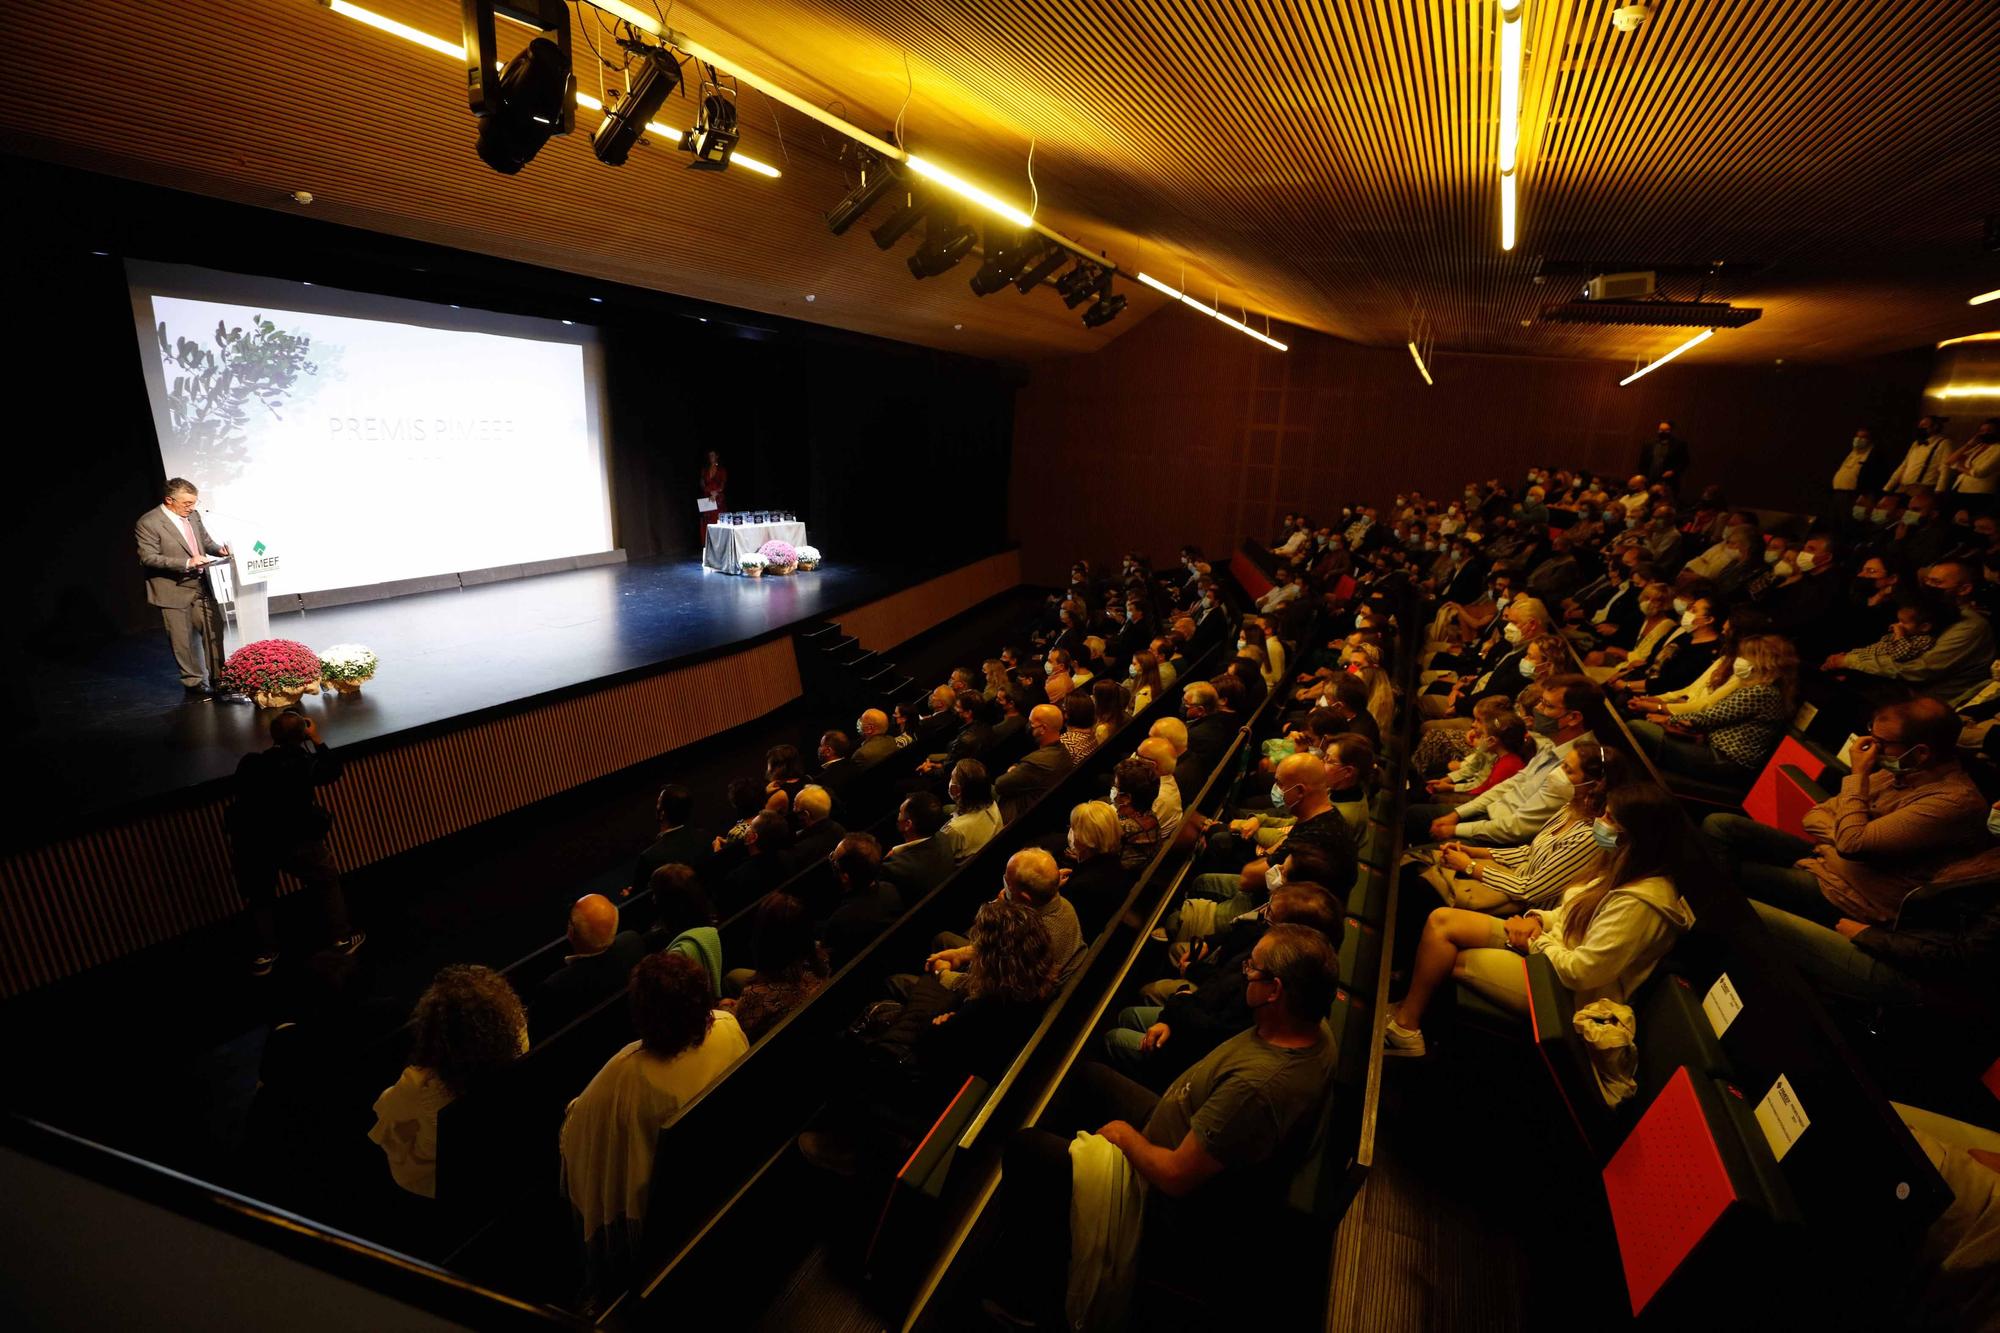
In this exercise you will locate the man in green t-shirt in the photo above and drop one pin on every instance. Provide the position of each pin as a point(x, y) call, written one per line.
point(1236, 1120)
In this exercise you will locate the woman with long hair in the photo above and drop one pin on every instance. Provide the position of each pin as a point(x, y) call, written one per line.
point(784, 777)
point(1734, 735)
point(1143, 678)
point(1107, 698)
point(468, 1023)
point(1603, 939)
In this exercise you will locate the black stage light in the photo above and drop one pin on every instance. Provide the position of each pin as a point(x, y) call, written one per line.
point(1107, 308)
point(714, 135)
point(946, 241)
point(897, 225)
point(1042, 268)
point(1081, 283)
point(876, 178)
point(535, 98)
point(625, 121)
point(1006, 256)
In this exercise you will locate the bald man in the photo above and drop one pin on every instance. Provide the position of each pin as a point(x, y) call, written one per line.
point(1032, 879)
point(876, 743)
point(1159, 752)
point(1040, 769)
point(1300, 792)
point(819, 833)
point(600, 961)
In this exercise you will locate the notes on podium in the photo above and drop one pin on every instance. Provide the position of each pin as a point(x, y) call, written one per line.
point(705, 505)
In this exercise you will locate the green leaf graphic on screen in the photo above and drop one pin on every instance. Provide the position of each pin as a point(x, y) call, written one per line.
point(258, 548)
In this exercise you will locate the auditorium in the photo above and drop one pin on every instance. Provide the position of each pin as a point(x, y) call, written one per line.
point(902, 666)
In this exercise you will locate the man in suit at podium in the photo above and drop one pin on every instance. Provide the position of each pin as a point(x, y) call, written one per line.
point(175, 548)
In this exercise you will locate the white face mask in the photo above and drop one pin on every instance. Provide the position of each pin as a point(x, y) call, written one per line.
point(1561, 787)
point(1783, 569)
point(1771, 556)
point(1512, 633)
point(1687, 620)
point(1680, 606)
point(1274, 878)
point(1806, 560)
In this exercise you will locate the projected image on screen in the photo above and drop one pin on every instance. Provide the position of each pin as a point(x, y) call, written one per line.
point(365, 448)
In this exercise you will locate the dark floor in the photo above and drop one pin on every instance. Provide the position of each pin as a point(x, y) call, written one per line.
point(191, 1024)
point(112, 726)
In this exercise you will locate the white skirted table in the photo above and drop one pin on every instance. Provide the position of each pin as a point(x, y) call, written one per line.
point(728, 543)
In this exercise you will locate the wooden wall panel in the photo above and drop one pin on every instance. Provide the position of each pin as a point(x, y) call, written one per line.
point(87, 899)
point(1180, 433)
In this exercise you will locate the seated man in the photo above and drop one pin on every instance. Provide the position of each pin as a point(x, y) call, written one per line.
point(1218, 1146)
point(869, 904)
point(1040, 769)
point(876, 742)
point(678, 842)
point(600, 960)
point(818, 831)
point(1210, 729)
point(764, 867)
point(1512, 812)
point(1183, 1018)
point(1159, 752)
point(1299, 790)
point(1032, 877)
point(837, 769)
point(922, 860)
point(1905, 811)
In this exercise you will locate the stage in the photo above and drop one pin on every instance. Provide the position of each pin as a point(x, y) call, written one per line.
point(115, 730)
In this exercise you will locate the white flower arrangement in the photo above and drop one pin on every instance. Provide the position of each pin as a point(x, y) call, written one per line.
point(752, 560)
point(808, 554)
point(347, 662)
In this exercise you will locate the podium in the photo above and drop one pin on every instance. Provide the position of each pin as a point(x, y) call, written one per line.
point(241, 585)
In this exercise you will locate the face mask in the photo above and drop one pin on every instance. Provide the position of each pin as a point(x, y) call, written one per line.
point(1603, 834)
point(1113, 798)
point(1561, 787)
point(1680, 606)
point(1527, 668)
point(1860, 513)
point(1783, 569)
point(1277, 797)
point(1860, 445)
point(1687, 619)
point(1771, 556)
point(1512, 632)
point(1048, 668)
point(1740, 668)
point(1241, 644)
point(1807, 560)
point(1879, 516)
point(1896, 764)
point(1133, 671)
point(1993, 822)
point(1544, 725)
point(1274, 878)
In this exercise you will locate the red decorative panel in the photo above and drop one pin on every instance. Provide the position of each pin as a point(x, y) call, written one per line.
point(1667, 1187)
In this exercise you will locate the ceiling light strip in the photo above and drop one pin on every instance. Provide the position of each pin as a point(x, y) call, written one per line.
point(673, 136)
point(1652, 366)
point(1972, 338)
point(1194, 304)
point(1422, 369)
point(1984, 297)
point(1510, 118)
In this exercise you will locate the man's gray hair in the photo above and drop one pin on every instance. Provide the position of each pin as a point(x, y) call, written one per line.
point(180, 486)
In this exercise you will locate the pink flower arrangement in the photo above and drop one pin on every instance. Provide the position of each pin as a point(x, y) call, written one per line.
point(271, 665)
point(779, 553)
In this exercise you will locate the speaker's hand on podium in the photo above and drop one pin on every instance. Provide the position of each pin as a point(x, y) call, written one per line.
point(225, 553)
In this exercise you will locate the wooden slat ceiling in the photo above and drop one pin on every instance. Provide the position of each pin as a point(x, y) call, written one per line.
point(1330, 163)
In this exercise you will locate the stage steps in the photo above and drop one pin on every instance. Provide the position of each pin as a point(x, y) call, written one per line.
point(839, 676)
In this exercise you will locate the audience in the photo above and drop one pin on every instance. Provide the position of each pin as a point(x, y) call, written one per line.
point(787, 966)
point(868, 903)
point(1040, 769)
point(924, 858)
point(601, 957)
point(677, 840)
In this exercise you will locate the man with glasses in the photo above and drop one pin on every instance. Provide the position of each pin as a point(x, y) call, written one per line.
point(1226, 1135)
point(1904, 810)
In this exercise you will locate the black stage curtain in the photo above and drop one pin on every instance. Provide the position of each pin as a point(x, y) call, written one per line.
point(888, 451)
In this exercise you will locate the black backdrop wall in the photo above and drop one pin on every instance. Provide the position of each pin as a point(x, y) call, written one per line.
point(890, 452)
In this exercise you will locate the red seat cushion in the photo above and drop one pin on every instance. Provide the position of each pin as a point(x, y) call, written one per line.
point(1667, 1187)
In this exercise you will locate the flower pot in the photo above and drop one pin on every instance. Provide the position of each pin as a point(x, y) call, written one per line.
point(805, 565)
point(755, 571)
point(284, 697)
point(781, 569)
point(348, 686)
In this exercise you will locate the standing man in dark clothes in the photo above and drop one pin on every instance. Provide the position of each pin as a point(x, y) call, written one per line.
point(274, 824)
point(1664, 458)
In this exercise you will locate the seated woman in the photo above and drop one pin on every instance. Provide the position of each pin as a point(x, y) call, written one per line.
point(684, 920)
point(468, 1023)
point(1094, 878)
point(610, 1131)
point(746, 800)
point(1506, 880)
point(1143, 679)
point(1732, 738)
point(1656, 607)
point(906, 723)
point(1107, 701)
point(787, 967)
point(1603, 939)
point(1683, 657)
point(784, 776)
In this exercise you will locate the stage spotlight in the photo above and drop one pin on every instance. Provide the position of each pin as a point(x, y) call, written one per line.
point(876, 178)
point(1081, 283)
point(1006, 256)
point(1107, 308)
point(535, 98)
point(897, 225)
point(946, 241)
point(625, 121)
point(714, 135)
point(1039, 272)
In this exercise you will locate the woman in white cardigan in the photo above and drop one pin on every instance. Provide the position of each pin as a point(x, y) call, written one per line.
point(1603, 939)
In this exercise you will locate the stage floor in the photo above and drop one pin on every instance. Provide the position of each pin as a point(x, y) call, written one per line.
point(115, 729)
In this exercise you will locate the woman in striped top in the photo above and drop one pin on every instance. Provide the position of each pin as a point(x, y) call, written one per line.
point(1506, 880)
point(1737, 734)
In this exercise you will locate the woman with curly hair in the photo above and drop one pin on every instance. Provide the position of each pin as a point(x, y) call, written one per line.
point(468, 1023)
point(609, 1133)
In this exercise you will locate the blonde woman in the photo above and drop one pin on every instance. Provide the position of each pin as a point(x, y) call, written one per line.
point(1729, 741)
point(1656, 604)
